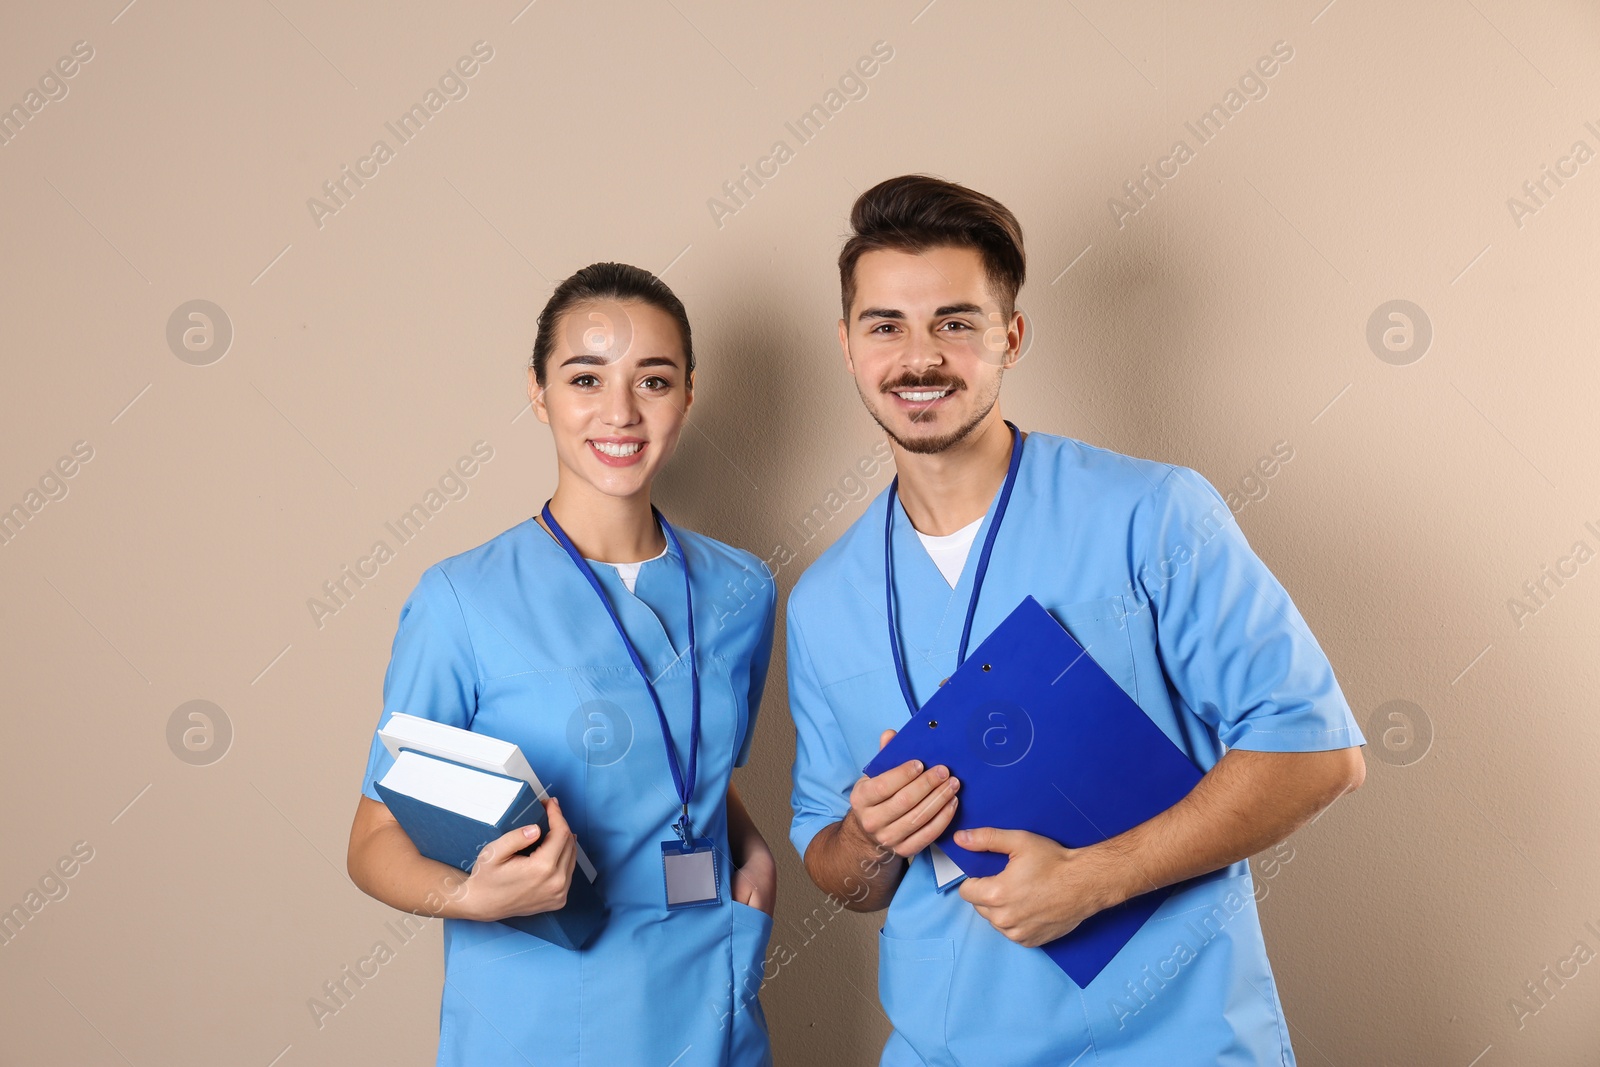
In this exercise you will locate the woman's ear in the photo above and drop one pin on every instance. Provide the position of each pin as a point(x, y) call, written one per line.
point(688, 392)
point(536, 397)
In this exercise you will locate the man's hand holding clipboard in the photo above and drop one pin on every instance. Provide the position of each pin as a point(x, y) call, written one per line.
point(1053, 757)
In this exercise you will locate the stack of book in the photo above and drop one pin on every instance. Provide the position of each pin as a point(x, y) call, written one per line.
point(453, 791)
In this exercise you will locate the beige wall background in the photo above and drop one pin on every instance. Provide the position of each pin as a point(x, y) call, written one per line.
point(374, 345)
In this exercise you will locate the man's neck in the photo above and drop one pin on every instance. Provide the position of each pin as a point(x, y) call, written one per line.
point(607, 528)
point(944, 491)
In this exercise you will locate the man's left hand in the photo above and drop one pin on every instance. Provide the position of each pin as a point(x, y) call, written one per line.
point(1046, 889)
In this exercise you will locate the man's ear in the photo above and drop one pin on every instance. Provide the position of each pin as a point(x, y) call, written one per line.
point(536, 397)
point(844, 346)
point(1016, 338)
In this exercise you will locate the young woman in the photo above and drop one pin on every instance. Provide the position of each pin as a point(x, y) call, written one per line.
point(571, 635)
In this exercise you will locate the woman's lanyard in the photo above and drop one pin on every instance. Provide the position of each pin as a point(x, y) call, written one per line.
point(685, 785)
point(977, 579)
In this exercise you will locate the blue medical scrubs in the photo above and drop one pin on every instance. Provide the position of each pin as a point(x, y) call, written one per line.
point(1143, 563)
point(509, 640)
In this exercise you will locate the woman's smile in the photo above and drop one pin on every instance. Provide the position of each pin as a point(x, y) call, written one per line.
point(618, 451)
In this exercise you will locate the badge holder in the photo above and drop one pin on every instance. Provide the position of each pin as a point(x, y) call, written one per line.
point(689, 865)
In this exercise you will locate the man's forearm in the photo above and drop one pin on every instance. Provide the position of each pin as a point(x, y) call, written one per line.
point(1248, 802)
point(843, 862)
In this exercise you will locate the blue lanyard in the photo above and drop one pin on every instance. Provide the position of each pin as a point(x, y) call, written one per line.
point(685, 786)
point(977, 579)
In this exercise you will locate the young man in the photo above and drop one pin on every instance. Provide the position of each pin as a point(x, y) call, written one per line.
point(1143, 563)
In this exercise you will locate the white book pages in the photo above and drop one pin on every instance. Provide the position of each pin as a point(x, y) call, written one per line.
point(463, 790)
point(439, 739)
point(412, 732)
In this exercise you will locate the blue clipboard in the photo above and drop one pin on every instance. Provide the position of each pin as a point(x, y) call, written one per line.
point(1044, 740)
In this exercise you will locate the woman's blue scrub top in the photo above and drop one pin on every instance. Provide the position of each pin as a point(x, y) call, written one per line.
point(1143, 563)
point(509, 640)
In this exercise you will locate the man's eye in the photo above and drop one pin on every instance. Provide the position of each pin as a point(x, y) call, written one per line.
point(957, 322)
point(881, 327)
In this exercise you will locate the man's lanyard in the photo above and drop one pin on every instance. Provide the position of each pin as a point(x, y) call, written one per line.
point(977, 579)
point(685, 786)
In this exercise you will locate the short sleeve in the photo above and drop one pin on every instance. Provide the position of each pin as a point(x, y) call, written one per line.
point(760, 662)
point(1236, 651)
point(432, 670)
point(824, 774)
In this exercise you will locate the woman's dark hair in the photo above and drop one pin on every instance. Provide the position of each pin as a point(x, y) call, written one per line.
point(602, 283)
point(916, 212)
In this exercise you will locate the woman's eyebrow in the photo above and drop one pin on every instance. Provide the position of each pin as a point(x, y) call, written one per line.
point(594, 359)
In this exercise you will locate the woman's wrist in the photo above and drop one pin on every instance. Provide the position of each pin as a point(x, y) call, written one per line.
point(457, 896)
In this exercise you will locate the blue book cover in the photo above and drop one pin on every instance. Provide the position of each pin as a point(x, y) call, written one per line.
point(1044, 740)
point(456, 839)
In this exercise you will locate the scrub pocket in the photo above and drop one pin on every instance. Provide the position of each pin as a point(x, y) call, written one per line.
point(1101, 627)
point(752, 930)
point(914, 986)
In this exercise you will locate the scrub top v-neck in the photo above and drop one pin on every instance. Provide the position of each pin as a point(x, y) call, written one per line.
point(509, 640)
point(628, 572)
point(950, 551)
point(657, 588)
point(1143, 563)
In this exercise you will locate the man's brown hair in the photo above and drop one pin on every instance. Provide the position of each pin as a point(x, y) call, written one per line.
point(916, 212)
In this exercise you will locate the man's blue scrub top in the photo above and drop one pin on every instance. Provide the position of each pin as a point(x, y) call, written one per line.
point(1144, 564)
point(509, 640)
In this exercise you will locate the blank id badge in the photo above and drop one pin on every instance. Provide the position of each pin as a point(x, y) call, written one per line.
point(691, 872)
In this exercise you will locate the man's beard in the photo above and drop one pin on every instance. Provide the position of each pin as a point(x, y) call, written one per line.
point(927, 446)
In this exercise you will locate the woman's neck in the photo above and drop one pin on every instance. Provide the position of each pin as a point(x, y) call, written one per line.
point(607, 528)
